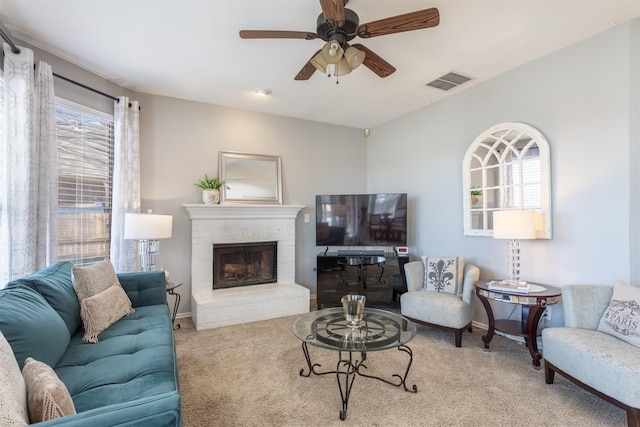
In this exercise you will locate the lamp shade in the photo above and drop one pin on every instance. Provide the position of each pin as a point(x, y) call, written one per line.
point(354, 57)
point(514, 225)
point(332, 52)
point(342, 68)
point(318, 62)
point(147, 226)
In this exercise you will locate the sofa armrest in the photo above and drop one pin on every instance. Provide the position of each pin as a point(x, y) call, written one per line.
point(414, 274)
point(471, 276)
point(145, 288)
point(584, 305)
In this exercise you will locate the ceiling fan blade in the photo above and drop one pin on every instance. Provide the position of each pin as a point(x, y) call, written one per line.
point(307, 71)
point(333, 11)
point(275, 34)
point(397, 24)
point(375, 63)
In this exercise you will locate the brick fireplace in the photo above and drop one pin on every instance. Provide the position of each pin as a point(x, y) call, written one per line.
point(233, 224)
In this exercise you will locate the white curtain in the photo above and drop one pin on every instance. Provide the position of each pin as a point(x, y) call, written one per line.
point(28, 181)
point(126, 182)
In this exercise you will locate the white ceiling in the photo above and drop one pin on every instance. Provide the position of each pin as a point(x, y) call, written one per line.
point(191, 49)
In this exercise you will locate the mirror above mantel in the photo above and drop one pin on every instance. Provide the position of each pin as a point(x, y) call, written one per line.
point(250, 178)
point(507, 167)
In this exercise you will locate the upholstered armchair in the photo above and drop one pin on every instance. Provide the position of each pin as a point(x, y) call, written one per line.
point(448, 311)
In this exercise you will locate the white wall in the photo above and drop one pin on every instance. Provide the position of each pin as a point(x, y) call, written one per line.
point(180, 141)
point(579, 98)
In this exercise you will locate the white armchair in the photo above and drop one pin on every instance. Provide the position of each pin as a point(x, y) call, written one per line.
point(438, 309)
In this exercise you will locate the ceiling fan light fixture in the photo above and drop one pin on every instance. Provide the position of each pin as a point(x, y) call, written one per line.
point(342, 68)
point(332, 52)
point(354, 57)
point(319, 62)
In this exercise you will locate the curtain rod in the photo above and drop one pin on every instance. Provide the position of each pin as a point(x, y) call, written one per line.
point(87, 87)
point(16, 50)
point(6, 38)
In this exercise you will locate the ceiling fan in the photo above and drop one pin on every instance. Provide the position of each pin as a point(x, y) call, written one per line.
point(337, 26)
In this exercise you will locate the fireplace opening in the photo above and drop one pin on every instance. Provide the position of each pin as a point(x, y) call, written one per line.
point(242, 264)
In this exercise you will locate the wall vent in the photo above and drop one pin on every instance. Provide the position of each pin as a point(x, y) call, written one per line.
point(449, 81)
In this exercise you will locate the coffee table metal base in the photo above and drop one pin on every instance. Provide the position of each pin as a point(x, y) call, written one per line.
point(348, 368)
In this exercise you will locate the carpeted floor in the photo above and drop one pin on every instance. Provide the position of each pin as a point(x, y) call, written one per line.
point(248, 375)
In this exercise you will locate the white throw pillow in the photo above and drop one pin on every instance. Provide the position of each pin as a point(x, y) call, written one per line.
point(443, 274)
point(48, 396)
point(13, 391)
point(622, 318)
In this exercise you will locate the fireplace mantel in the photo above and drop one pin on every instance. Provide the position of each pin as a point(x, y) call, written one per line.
point(236, 211)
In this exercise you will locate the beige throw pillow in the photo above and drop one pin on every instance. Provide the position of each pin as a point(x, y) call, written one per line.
point(103, 310)
point(13, 391)
point(443, 274)
point(622, 318)
point(92, 279)
point(102, 299)
point(48, 396)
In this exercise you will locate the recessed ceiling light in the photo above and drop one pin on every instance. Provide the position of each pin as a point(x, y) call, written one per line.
point(262, 91)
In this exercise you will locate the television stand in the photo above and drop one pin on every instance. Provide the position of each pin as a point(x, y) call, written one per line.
point(339, 275)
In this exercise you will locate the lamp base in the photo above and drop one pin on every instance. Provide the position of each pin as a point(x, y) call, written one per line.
point(147, 249)
point(513, 254)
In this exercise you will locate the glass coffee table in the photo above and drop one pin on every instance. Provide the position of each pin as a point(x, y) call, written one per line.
point(378, 330)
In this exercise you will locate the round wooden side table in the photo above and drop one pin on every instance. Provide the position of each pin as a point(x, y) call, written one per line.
point(533, 306)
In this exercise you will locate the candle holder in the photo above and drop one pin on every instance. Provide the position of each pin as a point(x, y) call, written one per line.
point(353, 306)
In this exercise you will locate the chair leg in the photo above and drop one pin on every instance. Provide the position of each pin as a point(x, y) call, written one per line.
point(458, 337)
point(549, 373)
point(470, 329)
point(633, 417)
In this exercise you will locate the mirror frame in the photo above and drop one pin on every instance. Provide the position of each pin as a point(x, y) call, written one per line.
point(227, 196)
point(495, 135)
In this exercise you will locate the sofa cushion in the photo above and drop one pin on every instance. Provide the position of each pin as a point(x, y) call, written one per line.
point(13, 392)
point(439, 308)
point(54, 284)
point(443, 274)
point(622, 317)
point(47, 396)
point(32, 326)
point(100, 311)
point(599, 360)
point(135, 355)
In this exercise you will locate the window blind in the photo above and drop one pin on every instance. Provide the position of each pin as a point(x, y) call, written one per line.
point(85, 182)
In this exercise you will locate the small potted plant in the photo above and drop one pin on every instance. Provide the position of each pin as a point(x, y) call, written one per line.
point(476, 194)
point(211, 189)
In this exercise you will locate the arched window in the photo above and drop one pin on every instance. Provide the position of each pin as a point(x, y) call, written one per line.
point(506, 167)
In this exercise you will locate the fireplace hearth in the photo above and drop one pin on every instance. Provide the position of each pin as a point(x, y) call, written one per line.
point(244, 264)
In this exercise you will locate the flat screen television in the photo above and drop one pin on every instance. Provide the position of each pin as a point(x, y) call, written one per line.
point(361, 219)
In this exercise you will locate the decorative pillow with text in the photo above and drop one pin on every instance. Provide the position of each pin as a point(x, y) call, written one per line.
point(443, 274)
point(622, 318)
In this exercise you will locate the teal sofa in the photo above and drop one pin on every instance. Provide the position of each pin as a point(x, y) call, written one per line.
point(128, 378)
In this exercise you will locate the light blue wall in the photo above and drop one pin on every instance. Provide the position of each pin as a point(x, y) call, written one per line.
point(584, 100)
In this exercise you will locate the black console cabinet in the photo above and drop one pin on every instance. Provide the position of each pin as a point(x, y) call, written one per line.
point(380, 279)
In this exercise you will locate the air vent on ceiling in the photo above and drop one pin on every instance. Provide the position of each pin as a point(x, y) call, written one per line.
point(448, 81)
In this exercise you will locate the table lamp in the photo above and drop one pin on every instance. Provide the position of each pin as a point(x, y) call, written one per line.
point(514, 225)
point(148, 228)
